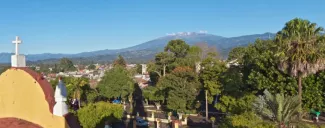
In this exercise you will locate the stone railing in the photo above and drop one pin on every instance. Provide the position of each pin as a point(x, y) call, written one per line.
point(152, 119)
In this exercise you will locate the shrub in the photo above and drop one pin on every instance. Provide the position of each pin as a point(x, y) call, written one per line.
point(244, 120)
point(95, 114)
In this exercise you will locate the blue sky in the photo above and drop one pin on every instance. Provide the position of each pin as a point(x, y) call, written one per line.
point(72, 26)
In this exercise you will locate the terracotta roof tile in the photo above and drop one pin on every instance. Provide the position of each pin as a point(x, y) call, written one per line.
point(16, 123)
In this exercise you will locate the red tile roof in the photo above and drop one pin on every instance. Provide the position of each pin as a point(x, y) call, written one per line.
point(16, 123)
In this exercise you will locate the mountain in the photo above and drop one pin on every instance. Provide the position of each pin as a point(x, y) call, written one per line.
point(147, 50)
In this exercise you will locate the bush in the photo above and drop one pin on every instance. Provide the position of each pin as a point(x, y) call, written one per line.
point(92, 96)
point(95, 114)
point(249, 120)
point(244, 120)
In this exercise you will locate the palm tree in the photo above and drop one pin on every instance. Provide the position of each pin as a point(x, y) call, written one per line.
point(301, 49)
point(78, 83)
point(278, 110)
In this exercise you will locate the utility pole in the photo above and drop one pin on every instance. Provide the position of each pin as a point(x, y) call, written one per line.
point(206, 105)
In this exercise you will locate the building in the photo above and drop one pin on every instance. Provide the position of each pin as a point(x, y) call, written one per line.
point(28, 98)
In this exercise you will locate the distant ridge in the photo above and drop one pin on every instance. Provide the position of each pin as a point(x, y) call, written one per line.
point(147, 50)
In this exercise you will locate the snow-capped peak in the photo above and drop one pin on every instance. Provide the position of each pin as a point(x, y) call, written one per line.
point(187, 33)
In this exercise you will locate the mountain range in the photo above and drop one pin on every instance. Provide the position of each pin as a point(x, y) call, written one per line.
point(146, 51)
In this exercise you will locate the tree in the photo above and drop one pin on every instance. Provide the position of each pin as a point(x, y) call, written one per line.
point(116, 82)
point(66, 65)
point(313, 93)
point(139, 68)
point(301, 50)
point(281, 110)
point(205, 49)
point(151, 93)
point(259, 68)
point(210, 78)
point(120, 61)
point(163, 59)
point(236, 53)
point(77, 88)
point(91, 67)
point(180, 88)
point(153, 72)
point(95, 114)
point(192, 58)
point(178, 47)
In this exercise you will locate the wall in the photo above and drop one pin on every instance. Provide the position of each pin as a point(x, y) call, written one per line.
point(22, 96)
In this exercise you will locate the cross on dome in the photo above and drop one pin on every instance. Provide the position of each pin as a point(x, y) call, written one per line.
point(17, 41)
point(16, 59)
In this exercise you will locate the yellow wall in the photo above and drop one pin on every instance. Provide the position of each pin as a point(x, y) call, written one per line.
point(22, 97)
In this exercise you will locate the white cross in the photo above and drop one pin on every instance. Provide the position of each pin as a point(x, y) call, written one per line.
point(17, 41)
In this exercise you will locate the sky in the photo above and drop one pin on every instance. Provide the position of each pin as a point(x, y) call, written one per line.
point(73, 26)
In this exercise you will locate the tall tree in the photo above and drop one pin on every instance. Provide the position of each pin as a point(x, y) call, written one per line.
point(116, 82)
point(178, 47)
point(211, 76)
point(66, 65)
point(120, 61)
point(180, 87)
point(301, 50)
point(163, 59)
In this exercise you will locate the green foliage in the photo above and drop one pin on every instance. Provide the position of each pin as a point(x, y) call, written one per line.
point(210, 76)
point(235, 105)
point(181, 88)
point(236, 53)
point(116, 83)
point(313, 93)
point(248, 120)
point(315, 126)
point(278, 109)
point(76, 87)
point(91, 67)
point(119, 61)
point(261, 70)
point(300, 49)
point(178, 47)
point(95, 114)
point(152, 94)
point(139, 68)
point(66, 65)
point(163, 60)
point(300, 44)
point(195, 53)
point(92, 96)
